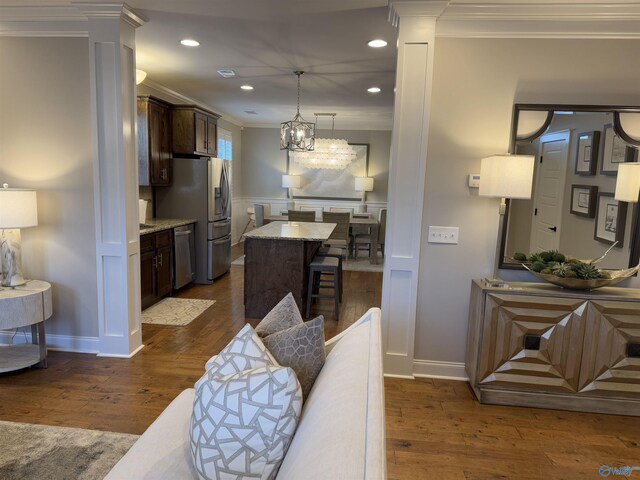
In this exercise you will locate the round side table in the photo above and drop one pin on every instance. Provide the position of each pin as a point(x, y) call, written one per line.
point(26, 305)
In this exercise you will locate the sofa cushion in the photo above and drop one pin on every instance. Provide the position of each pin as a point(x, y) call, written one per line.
point(284, 315)
point(300, 347)
point(245, 351)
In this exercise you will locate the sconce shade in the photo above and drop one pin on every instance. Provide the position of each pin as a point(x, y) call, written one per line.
point(628, 182)
point(364, 184)
point(18, 208)
point(290, 181)
point(140, 76)
point(506, 176)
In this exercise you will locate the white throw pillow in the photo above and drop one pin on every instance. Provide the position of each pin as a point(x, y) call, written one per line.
point(243, 420)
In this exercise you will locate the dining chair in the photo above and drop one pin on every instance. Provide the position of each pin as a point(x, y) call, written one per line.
point(363, 242)
point(342, 210)
point(301, 216)
point(340, 235)
point(258, 210)
point(318, 211)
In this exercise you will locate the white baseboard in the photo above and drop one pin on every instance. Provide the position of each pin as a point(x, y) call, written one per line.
point(113, 355)
point(442, 370)
point(63, 343)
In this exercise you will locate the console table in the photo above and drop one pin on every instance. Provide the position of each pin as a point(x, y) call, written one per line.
point(26, 305)
point(539, 345)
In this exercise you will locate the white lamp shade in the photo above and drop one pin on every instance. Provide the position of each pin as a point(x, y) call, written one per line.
point(290, 181)
point(140, 76)
point(18, 208)
point(628, 182)
point(364, 184)
point(506, 176)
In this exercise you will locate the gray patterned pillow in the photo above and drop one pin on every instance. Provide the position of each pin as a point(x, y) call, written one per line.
point(284, 315)
point(243, 352)
point(245, 412)
point(300, 347)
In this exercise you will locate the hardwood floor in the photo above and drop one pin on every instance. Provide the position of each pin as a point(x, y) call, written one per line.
point(435, 428)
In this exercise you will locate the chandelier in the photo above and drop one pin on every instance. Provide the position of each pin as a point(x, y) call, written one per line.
point(329, 153)
point(297, 135)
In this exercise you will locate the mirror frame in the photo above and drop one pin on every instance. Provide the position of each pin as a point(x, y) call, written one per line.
point(634, 253)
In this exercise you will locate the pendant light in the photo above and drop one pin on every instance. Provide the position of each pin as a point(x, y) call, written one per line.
point(329, 153)
point(297, 135)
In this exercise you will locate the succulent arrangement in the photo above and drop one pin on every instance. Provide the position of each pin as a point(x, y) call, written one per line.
point(553, 262)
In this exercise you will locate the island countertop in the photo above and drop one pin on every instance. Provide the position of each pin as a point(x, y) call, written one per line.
point(308, 231)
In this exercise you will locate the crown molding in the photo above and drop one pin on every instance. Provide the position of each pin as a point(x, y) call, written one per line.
point(415, 8)
point(110, 10)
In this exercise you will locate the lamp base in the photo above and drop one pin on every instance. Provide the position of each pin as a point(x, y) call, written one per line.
point(11, 253)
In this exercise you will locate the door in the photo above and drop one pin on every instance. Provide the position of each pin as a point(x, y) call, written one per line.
point(201, 133)
point(147, 278)
point(219, 191)
point(549, 192)
point(212, 135)
point(219, 253)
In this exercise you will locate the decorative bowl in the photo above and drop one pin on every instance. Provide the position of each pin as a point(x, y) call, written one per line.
point(617, 276)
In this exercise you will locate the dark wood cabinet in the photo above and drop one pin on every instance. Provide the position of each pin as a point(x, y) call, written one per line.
point(195, 131)
point(154, 142)
point(156, 272)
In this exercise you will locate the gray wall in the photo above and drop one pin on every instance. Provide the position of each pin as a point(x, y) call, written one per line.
point(264, 162)
point(476, 83)
point(46, 144)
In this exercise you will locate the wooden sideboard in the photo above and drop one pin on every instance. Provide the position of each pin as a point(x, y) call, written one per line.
point(538, 345)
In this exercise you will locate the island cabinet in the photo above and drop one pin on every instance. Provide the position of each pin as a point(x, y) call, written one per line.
point(539, 345)
point(155, 266)
point(195, 131)
point(154, 142)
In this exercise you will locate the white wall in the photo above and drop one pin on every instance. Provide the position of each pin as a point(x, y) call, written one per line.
point(46, 144)
point(476, 83)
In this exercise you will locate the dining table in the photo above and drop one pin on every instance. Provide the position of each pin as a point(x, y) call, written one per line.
point(355, 221)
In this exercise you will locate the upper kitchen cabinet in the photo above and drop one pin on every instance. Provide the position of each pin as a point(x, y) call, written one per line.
point(194, 131)
point(154, 141)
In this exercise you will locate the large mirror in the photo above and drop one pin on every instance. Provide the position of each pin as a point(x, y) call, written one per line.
point(578, 150)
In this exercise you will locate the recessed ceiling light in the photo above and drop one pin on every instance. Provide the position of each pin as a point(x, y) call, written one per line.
point(227, 73)
point(187, 42)
point(373, 90)
point(246, 87)
point(377, 43)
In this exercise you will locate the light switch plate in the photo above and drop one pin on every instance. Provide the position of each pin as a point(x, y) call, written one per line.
point(443, 234)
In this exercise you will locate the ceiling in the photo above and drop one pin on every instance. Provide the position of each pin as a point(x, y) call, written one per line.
point(264, 42)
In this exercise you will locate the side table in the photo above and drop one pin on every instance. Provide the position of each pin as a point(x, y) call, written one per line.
point(26, 305)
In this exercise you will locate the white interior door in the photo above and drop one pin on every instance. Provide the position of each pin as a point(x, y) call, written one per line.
point(548, 197)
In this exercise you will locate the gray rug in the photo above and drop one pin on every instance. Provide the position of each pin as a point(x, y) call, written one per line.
point(361, 264)
point(58, 453)
point(175, 311)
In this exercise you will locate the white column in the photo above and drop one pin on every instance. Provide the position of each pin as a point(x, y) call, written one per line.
point(111, 29)
point(416, 21)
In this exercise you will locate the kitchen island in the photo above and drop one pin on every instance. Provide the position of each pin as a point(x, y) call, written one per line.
point(277, 257)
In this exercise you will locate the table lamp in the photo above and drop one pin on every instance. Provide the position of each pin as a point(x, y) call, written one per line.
point(364, 185)
point(290, 182)
point(18, 209)
point(505, 176)
point(628, 182)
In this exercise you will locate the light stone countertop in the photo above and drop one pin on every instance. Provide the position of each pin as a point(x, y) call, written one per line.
point(153, 225)
point(312, 231)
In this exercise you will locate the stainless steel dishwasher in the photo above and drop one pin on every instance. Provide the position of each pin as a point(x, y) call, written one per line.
point(184, 256)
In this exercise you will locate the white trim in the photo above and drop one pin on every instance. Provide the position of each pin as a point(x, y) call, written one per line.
point(62, 343)
point(116, 355)
point(441, 370)
point(405, 377)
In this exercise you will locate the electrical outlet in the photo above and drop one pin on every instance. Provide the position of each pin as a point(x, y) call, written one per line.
point(443, 234)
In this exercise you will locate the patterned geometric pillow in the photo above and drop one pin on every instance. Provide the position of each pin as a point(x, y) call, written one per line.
point(245, 351)
point(245, 411)
point(242, 424)
point(300, 347)
point(284, 315)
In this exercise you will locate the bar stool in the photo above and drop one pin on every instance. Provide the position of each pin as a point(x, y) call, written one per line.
point(318, 267)
point(334, 252)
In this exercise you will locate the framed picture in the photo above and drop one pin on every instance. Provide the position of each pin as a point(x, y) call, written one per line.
point(327, 184)
point(611, 216)
point(615, 152)
point(587, 153)
point(583, 200)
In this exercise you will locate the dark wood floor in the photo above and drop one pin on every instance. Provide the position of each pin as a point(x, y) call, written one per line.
point(435, 428)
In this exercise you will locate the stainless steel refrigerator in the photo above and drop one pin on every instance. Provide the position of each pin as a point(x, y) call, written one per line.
point(201, 190)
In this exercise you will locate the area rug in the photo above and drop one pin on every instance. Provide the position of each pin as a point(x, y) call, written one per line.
point(361, 264)
point(58, 453)
point(175, 311)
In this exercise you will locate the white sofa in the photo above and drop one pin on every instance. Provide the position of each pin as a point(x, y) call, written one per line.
point(341, 433)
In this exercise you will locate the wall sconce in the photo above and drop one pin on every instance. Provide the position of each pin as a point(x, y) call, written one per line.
point(505, 176)
point(18, 209)
point(628, 182)
point(364, 185)
point(140, 76)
